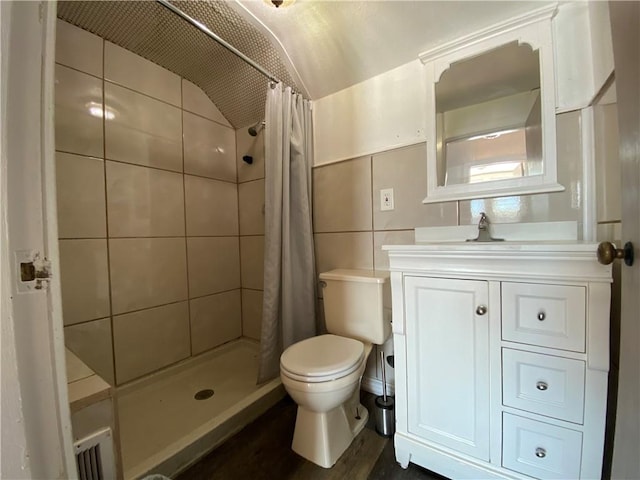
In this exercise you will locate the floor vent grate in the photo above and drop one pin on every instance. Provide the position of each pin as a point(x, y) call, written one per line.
point(94, 456)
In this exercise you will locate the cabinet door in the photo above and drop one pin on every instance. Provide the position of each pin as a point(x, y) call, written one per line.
point(448, 363)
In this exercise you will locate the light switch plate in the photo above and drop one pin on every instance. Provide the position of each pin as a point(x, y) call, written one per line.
point(386, 199)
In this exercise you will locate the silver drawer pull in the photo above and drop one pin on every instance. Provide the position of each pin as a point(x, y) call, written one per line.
point(481, 310)
point(542, 386)
point(541, 316)
point(541, 452)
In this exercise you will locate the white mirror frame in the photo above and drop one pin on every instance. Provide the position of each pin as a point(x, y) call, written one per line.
point(534, 29)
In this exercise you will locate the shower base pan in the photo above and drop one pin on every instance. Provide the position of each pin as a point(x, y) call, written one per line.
point(164, 428)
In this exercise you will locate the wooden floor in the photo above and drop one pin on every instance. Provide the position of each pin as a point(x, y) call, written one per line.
point(262, 451)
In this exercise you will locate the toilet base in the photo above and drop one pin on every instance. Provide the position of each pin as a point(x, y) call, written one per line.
point(322, 438)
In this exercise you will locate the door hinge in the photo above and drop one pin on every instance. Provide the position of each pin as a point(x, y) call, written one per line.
point(34, 271)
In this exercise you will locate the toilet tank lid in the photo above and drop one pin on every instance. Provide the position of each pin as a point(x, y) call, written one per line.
point(370, 276)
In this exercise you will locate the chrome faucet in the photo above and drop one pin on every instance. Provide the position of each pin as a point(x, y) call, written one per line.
point(483, 231)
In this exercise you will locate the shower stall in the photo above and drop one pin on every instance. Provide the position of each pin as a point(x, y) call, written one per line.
point(161, 223)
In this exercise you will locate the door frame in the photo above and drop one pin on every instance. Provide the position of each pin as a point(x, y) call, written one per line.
point(36, 423)
point(625, 22)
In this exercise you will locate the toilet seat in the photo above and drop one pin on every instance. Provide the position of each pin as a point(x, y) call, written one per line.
point(322, 358)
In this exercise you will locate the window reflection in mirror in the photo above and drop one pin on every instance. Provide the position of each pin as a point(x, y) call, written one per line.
point(488, 117)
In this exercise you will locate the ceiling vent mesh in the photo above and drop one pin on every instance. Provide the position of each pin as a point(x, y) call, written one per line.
point(151, 31)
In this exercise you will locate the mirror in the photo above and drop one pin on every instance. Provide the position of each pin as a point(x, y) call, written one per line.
point(491, 117)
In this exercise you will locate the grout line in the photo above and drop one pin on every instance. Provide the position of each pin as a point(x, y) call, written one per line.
point(373, 241)
point(154, 237)
point(82, 71)
point(252, 180)
point(252, 289)
point(218, 293)
point(144, 309)
point(184, 206)
point(84, 322)
point(235, 137)
point(152, 167)
point(106, 219)
point(82, 238)
point(352, 231)
point(125, 87)
point(207, 118)
point(180, 107)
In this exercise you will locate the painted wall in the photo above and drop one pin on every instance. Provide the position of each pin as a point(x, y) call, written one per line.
point(149, 222)
point(388, 111)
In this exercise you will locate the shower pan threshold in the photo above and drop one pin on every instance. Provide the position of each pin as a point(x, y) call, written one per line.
point(164, 429)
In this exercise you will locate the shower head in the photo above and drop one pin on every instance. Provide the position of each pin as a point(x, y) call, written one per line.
point(253, 131)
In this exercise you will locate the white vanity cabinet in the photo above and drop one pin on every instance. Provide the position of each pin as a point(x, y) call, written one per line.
point(502, 358)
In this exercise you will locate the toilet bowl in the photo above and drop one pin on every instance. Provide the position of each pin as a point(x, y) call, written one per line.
point(322, 375)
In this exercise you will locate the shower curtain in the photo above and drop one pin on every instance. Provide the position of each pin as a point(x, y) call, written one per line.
point(288, 309)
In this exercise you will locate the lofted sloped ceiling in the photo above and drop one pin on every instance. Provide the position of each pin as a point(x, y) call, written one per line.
point(336, 44)
point(317, 47)
point(153, 32)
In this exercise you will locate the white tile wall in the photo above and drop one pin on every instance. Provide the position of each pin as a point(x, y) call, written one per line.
point(130, 70)
point(342, 196)
point(142, 130)
point(344, 250)
point(146, 272)
point(144, 202)
point(214, 265)
point(251, 208)
point(79, 49)
point(196, 101)
point(251, 313)
point(81, 198)
point(253, 147)
point(212, 206)
point(215, 319)
point(209, 148)
point(84, 278)
point(78, 106)
point(405, 171)
point(150, 339)
point(390, 237)
point(544, 207)
point(91, 341)
point(252, 255)
point(124, 214)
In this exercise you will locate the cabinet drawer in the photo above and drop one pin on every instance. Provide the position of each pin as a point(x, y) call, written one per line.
point(546, 315)
point(540, 450)
point(543, 384)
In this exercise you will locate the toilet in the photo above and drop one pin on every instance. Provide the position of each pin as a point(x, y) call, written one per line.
point(322, 374)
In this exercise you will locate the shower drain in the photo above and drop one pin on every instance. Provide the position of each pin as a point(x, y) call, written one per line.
point(203, 394)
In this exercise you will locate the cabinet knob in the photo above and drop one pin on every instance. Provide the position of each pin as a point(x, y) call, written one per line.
point(481, 310)
point(542, 386)
point(541, 452)
point(542, 316)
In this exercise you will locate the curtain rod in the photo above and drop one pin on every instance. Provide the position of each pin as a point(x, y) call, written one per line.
point(210, 34)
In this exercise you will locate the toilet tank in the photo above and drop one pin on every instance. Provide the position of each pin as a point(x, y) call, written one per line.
point(353, 304)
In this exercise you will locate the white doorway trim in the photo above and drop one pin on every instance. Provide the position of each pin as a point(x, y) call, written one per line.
point(36, 425)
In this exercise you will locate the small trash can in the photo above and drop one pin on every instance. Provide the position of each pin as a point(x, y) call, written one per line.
point(385, 416)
